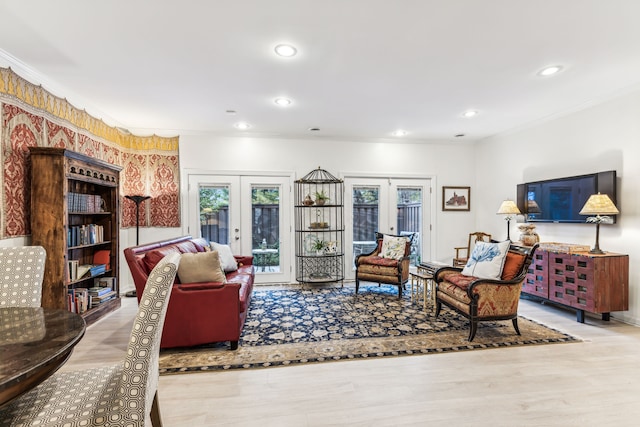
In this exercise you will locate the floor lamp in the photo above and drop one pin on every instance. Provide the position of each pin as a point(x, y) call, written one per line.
point(137, 200)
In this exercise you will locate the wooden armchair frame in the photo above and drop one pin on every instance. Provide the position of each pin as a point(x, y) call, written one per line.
point(478, 236)
point(480, 293)
point(397, 273)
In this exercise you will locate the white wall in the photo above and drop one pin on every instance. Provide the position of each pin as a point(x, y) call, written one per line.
point(602, 137)
point(450, 163)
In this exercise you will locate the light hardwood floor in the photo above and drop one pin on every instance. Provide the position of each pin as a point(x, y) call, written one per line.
point(592, 383)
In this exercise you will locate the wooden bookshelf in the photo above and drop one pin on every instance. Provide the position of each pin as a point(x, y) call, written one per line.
point(73, 195)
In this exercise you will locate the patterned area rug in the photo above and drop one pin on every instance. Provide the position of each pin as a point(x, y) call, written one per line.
point(301, 325)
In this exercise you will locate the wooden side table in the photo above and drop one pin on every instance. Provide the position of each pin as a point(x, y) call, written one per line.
point(422, 282)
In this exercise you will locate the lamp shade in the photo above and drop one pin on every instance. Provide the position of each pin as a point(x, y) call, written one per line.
point(508, 207)
point(599, 204)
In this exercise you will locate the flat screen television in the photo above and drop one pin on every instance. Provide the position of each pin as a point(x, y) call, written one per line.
point(560, 200)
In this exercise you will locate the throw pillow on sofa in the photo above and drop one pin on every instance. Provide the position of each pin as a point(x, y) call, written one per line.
point(201, 267)
point(227, 259)
point(486, 260)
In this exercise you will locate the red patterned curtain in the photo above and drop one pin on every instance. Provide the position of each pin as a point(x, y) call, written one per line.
point(33, 117)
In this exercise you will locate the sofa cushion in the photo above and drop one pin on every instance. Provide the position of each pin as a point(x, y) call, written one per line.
point(377, 260)
point(486, 260)
point(512, 265)
point(393, 247)
point(227, 259)
point(153, 257)
point(200, 267)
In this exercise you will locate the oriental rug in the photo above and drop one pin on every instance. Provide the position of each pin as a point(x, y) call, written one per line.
point(304, 324)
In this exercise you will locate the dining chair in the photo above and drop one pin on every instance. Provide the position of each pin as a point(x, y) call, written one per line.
point(21, 274)
point(124, 394)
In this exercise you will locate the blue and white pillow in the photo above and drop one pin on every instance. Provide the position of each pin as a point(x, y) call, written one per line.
point(487, 260)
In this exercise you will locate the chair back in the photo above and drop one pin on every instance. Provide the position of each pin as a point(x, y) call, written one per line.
point(21, 274)
point(476, 237)
point(140, 369)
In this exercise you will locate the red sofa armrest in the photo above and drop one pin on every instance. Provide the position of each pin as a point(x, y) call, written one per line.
point(244, 259)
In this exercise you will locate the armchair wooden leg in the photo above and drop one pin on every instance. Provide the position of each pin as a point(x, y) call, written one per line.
point(357, 285)
point(515, 325)
point(438, 307)
point(233, 345)
point(474, 328)
point(156, 421)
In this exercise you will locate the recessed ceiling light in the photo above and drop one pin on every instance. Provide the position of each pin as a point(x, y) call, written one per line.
point(283, 102)
point(314, 129)
point(459, 135)
point(399, 132)
point(470, 113)
point(242, 125)
point(286, 50)
point(549, 71)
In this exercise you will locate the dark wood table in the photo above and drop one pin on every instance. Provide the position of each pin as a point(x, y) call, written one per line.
point(34, 343)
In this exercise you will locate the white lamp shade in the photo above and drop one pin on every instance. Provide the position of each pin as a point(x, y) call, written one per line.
point(599, 204)
point(508, 207)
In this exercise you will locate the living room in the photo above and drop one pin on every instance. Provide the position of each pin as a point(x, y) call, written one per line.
point(598, 133)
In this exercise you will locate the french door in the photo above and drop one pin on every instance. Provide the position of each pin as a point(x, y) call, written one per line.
point(250, 213)
point(400, 206)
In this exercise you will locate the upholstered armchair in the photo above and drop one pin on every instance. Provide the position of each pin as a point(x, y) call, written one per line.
point(463, 252)
point(388, 263)
point(485, 299)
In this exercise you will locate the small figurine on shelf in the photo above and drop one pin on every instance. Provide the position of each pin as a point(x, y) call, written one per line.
point(321, 198)
point(308, 201)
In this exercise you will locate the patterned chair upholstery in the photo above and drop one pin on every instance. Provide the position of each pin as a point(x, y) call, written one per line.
point(124, 394)
point(373, 267)
point(21, 274)
point(485, 299)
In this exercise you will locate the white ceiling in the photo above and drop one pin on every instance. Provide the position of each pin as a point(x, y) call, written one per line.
point(365, 67)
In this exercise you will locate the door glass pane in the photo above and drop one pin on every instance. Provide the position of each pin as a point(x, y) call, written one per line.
point(409, 218)
point(365, 218)
point(214, 213)
point(265, 228)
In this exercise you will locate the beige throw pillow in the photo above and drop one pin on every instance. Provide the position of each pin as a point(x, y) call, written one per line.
point(201, 267)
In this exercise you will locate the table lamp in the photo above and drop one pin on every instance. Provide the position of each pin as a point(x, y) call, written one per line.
point(599, 205)
point(508, 208)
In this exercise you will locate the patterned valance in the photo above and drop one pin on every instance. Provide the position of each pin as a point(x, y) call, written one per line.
point(31, 116)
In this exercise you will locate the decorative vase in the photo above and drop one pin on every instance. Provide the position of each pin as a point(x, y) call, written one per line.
point(320, 202)
point(528, 235)
point(308, 201)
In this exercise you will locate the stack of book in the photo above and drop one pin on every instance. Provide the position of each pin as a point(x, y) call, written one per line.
point(100, 295)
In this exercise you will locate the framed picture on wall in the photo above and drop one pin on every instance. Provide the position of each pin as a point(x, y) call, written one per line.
point(456, 198)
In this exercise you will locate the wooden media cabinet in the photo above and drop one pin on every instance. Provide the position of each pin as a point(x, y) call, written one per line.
point(587, 282)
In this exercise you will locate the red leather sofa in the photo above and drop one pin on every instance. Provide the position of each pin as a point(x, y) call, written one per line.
point(198, 313)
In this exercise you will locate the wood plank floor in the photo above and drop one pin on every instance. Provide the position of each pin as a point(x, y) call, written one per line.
point(592, 383)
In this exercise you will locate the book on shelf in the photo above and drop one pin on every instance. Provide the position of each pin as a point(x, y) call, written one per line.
point(90, 270)
point(87, 234)
point(72, 270)
point(78, 300)
point(97, 300)
point(99, 291)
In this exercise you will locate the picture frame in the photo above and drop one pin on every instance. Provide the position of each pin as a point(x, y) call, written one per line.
point(456, 198)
